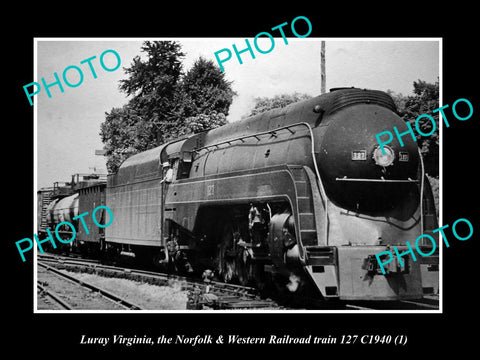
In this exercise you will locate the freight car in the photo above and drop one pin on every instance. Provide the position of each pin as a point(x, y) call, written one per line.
point(90, 196)
point(302, 196)
point(44, 198)
point(65, 201)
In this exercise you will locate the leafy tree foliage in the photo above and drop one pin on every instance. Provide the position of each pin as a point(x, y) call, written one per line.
point(278, 101)
point(204, 122)
point(120, 135)
point(205, 90)
point(164, 102)
point(206, 97)
point(424, 100)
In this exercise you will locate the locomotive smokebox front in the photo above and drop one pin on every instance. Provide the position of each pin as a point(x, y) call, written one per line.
point(357, 175)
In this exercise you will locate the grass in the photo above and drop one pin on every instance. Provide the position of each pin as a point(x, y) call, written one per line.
point(151, 297)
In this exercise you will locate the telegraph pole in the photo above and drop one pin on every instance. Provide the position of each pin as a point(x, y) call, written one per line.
point(322, 68)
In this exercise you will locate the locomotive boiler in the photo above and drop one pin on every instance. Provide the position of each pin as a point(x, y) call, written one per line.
point(302, 196)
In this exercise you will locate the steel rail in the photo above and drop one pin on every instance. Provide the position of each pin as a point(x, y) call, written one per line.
point(229, 296)
point(54, 296)
point(226, 296)
point(163, 277)
point(105, 293)
point(420, 304)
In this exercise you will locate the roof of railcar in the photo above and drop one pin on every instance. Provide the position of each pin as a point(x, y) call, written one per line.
point(148, 156)
point(145, 164)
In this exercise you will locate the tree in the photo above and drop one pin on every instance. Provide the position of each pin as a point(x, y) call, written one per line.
point(278, 101)
point(164, 102)
point(203, 122)
point(119, 133)
point(153, 83)
point(424, 100)
point(206, 96)
point(206, 89)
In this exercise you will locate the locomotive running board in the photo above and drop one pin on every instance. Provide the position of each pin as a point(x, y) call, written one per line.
point(382, 180)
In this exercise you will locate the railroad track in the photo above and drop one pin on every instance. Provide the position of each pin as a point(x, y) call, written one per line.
point(218, 295)
point(90, 292)
point(57, 300)
point(202, 294)
point(425, 304)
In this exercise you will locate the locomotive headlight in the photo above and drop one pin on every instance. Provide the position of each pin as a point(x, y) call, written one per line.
point(382, 159)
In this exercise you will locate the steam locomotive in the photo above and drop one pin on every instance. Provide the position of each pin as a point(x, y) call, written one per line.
point(300, 196)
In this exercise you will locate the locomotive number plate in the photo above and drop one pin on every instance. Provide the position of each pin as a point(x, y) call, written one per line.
point(403, 156)
point(211, 190)
point(359, 155)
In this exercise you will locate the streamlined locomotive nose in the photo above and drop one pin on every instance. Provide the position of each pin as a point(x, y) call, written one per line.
point(355, 170)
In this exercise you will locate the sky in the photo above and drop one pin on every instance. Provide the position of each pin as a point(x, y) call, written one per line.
point(67, 124)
